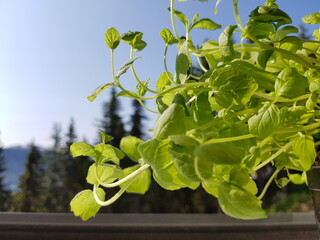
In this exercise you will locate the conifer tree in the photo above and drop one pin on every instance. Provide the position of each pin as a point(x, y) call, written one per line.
point(112, 123)
point(54, 172)
point(56, 137)
point(137, 118)
point(31, 182)
point(75, 170)
point(4, 193)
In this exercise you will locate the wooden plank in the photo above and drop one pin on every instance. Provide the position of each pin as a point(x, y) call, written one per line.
point(16, 226)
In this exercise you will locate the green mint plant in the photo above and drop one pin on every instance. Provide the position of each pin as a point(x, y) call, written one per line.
point(256, 104)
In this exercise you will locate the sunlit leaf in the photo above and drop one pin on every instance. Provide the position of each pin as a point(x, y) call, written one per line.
point(84, 204)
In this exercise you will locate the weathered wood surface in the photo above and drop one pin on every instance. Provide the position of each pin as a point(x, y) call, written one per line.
point(36, 226)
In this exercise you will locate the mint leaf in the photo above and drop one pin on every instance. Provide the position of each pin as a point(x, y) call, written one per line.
point(291, 43)
point(168, 37)
point(201, 109)
point(183, 159)
point(264, 57)
point(239, 203)
point(211, 188)
point(304, 148)
point(270, 14)
point(112, 38)
point(291, 83)
point(263, 78)
point(183, 64)
point(105, 137)
point(130, 37)
point(108, 153)
point(99, 90)
point(156, 153)
point(313, 18)
point(225, 41)
point(205, 23)
point(141, 184)
point(181, 17)
point(171, 122)
point(125, 67)
point(265, 122)
point(104, 173)
point(231, 87)
point(129, 145)
point(297, 178)
point(259, 29)
point(84, 205)
point(183, 140)
point(209, 155)
point(163, 81)
point(283, 32)
point(141, 88)
point(82, 149)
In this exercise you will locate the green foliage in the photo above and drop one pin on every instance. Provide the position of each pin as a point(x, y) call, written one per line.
point(112, 38)
point(168, 37)
point(239, 203)
point(129, 145)
point(84, 204)
point(313, 18)
point(255, 105)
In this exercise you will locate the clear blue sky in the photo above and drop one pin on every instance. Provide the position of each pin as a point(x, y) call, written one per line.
point(53, 55)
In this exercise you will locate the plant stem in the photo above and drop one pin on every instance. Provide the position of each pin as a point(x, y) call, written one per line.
point(196, 169)
point(125, 179)
point(114, 198)
point(112, 63)
point(172, 19)
point(266, 97)
point(201, 65)
point(146, 108)
point(237, 15)
point(229, 139)
point(273, 156)
point(274, 175)
point(136, 76)
point(219, 120)
point(165, 65)
point(299, 129)
point(122, 190)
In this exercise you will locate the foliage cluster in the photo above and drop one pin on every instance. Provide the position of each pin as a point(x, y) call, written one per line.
point(256, 105)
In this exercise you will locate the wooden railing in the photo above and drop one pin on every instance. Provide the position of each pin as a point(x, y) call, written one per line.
point(36, 226)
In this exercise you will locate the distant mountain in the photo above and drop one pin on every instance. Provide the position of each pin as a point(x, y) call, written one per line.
point(15, 160)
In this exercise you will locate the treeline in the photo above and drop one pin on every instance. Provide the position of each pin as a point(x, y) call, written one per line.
point(53, 177)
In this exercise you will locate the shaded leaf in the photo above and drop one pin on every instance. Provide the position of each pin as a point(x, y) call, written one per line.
point(156, 153)
point(238, 203)
point(129, 145)
point(171, 122)
point(141, 184)
point(225, 41)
